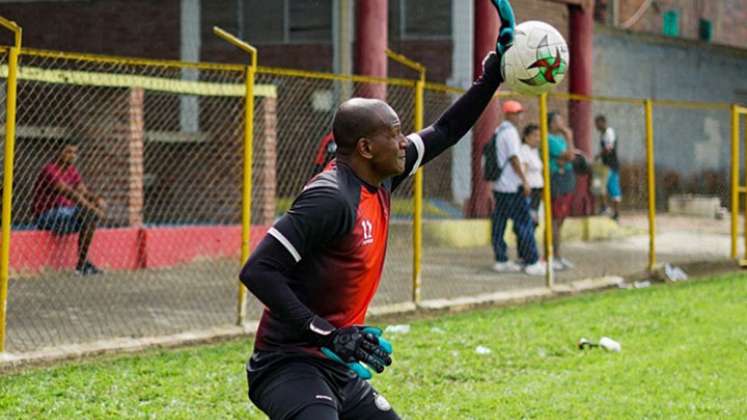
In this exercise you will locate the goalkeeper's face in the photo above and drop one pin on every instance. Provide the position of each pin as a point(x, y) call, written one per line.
point(388, 145)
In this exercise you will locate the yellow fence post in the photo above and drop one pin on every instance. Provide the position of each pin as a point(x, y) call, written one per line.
point(650, 176)
point(417, 229)
point(743, 261)
point(246, 193)
point(734, 179)
point(546, 193)
point(10, 140)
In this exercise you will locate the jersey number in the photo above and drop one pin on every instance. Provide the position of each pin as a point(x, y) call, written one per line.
point(367, 231)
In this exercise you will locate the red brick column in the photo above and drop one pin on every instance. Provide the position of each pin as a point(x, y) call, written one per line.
point(265, 162)
point(135, 140)
point(581, 74)
point(370, 45)
point(486, 32)
point(110, 129)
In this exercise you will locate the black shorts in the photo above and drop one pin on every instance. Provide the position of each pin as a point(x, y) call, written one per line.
point(292, 386)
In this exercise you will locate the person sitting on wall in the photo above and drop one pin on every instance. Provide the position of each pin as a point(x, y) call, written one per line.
point(64, 205)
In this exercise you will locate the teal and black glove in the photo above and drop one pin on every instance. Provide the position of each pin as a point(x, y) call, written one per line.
point(508, 23)
point(355, 346)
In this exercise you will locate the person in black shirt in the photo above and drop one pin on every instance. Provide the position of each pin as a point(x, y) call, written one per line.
point(317, 269)
point(608, 155)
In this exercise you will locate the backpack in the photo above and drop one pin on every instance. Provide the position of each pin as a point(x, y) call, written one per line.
point(491, 170)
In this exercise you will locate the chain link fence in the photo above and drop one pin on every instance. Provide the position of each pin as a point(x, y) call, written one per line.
point(162, 143)
point(693, 193)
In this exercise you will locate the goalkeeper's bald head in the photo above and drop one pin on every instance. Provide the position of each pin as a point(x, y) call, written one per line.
point(359, 118)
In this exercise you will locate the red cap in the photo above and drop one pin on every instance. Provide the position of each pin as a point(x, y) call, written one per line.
point(510, 107)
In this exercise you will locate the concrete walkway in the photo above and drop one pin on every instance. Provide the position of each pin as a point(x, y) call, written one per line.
point(60, 308)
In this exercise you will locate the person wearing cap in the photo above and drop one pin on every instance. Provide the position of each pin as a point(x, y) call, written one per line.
point(510, 192)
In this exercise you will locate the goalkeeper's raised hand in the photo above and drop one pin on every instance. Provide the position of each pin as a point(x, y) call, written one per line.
point(508, 23)
point(352, 345)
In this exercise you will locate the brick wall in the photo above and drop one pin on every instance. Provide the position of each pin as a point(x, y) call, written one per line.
point(728, 18)
point(139, 28)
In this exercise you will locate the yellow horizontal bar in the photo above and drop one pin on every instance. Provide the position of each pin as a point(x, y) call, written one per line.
point(274, 71)
point(741, 109)
point(52, 132)
point(639, 101)
point(742, 190)
point(9, 24)
point(577, 97)
point(404, 60)
point(136, 61)
point(236, 42)
point(440, 87)
point(743, 263)
point(184, 87)
point(692, 104)
point(13, 27)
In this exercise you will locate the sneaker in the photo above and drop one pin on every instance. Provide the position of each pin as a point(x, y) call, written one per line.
point(506, 267)
point(536, 269)
point(88, 269)
point(557, 265)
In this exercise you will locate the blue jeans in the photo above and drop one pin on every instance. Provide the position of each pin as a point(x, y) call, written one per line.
point(516, 207)
point(62, 220)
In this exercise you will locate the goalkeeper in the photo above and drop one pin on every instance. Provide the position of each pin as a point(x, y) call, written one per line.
point(318, 267)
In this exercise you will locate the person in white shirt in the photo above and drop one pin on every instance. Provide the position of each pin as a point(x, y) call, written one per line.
point(510, 192)
point(532, 165)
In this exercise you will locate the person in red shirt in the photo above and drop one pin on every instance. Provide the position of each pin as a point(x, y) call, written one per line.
point(325, 152)
point(64, 205)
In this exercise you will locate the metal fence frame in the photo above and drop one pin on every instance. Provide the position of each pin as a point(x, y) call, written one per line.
point(418, 86)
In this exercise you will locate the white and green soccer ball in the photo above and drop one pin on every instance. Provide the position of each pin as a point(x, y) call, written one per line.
point(538, 60)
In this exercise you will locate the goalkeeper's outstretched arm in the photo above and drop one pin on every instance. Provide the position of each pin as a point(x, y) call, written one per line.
point(462, 115)
point(455, 122)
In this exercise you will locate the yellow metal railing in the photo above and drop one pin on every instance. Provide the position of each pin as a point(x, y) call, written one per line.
point(546, 193)
point(246, 193)
point(417, 229)
point(10, 139)
point(737, 112)
point(249, 89)
point(651, 183)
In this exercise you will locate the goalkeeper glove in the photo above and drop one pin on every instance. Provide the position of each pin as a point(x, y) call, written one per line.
point(352, 345)
point(508, 22)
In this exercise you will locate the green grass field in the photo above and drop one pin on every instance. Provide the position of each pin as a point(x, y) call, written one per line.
point(684, 354)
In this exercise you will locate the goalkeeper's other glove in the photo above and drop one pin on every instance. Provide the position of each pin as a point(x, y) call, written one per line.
point(352, 345)
point(508, 22)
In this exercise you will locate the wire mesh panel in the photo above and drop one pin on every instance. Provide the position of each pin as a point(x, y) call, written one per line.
point(607, 233)
point(158, 148)
point(471, 253)
point(693, 155)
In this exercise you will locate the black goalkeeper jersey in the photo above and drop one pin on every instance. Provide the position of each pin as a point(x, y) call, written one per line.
point(336, 232)
point(325, 256)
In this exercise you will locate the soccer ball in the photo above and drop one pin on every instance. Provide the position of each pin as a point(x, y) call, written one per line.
point(537, 61)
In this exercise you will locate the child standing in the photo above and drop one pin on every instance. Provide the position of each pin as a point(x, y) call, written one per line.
point(532, 163)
